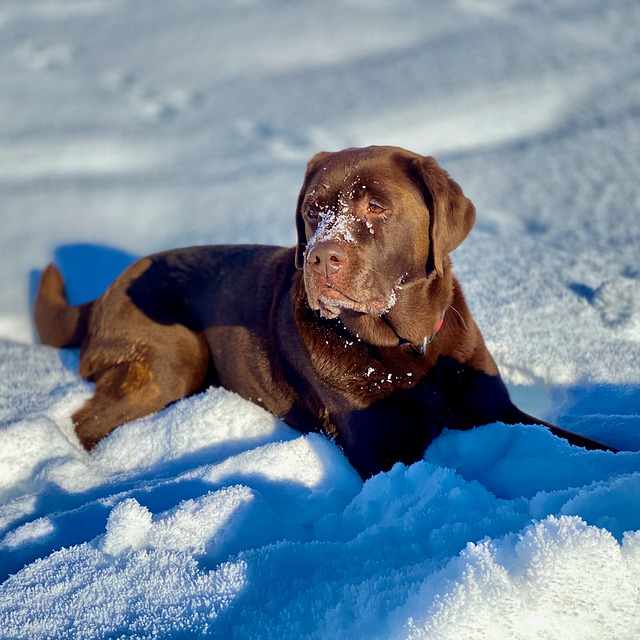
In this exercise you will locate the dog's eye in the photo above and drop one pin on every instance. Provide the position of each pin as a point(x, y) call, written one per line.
point(374, 207)
point(312, 215)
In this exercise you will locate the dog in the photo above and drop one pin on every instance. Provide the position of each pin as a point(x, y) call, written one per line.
point(361, 331)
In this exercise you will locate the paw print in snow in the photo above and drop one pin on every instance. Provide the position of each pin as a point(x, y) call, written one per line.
point(40, 57)
point(618, 301)
point(148, 103)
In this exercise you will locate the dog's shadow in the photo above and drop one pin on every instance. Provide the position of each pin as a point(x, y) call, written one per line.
point(88, 269)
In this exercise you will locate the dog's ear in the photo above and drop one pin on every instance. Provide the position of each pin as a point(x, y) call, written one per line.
point(452, 213)
point(314, 164)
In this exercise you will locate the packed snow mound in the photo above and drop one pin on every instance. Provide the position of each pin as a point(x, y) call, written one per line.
point(514, 588)
point(212, 518)
point(131, 127)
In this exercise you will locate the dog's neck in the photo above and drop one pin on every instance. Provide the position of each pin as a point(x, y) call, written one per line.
point(427, 340)
point(415, 318)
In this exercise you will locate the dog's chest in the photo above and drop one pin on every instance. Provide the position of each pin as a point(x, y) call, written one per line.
point(361, 375)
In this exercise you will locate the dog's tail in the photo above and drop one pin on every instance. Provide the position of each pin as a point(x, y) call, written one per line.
point(571, 437)
point(58, 323)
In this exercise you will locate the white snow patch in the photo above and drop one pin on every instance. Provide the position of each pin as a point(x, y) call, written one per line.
point(127, 528)
point(334, 225)
point(133, 126)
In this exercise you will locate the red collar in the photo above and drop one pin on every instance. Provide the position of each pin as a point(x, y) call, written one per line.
point(422, 347)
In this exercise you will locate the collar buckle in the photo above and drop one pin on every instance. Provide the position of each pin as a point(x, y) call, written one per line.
point(422, 347)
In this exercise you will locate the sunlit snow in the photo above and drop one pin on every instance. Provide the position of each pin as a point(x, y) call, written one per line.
point(135, 126)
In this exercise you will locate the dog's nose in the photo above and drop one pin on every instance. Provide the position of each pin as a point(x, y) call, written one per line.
point(326, 258)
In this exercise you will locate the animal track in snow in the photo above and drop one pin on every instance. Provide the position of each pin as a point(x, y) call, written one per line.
point(42, 57)
point(281, 142)
point(148, 103)
point(617, 301)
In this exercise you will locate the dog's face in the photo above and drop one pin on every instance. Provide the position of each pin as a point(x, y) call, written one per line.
point(372, 220)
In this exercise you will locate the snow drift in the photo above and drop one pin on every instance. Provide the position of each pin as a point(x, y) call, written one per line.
point(131, 127)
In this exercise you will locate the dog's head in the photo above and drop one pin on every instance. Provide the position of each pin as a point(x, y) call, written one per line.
point(371, 221)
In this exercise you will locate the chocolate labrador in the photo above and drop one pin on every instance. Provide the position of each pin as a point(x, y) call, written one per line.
point(361, 331)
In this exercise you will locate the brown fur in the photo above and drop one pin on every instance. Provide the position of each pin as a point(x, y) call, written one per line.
point(337, 335)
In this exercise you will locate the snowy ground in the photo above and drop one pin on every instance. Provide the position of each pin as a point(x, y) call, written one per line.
point(130, 126)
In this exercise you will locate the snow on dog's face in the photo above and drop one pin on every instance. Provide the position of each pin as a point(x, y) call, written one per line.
point(370, 221)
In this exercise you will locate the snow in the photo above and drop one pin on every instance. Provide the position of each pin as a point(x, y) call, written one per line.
point(131, 126)
point(333, 226)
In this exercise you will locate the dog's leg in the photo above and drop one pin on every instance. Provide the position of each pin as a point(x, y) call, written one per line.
point(127, 390)
point(122, 393)
point(520, 417)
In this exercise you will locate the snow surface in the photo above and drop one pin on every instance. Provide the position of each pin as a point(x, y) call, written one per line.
point(131, 126)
